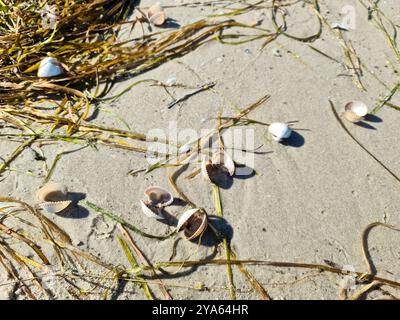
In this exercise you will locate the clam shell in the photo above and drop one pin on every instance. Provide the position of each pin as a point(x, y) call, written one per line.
point(193, 223)
point(220, 161)
point(223, 158)
point(206, 165)
point(151, 212)
point(50, 67)
point(55, 207)
point(158, 196)
point(52, 197)
point(355, 111)
point(156, 14)
point(52, 192)
point(279, 131)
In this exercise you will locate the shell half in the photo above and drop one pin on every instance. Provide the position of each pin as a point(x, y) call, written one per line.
point(156, 14)
point(279, 131)
point(215, 168)
point(53, 197)
point(355, 111)
point(55, 207)
point(224, 159)
point(193, 223)
point(158, 196)
point(151, 211)
point(50, 67)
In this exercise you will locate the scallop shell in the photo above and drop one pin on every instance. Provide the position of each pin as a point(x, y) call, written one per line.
point(156, 14)
point(193, 223)
point(279, 131)
point(219, 162)
point(355, 111)
point(50, 67)
point(52, 197)
point(157, 198)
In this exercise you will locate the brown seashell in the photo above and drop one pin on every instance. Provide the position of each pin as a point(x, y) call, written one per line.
point(220, 163)
point(193, 223)
point(53, 197)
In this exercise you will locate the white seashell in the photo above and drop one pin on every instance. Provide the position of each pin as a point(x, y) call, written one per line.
point(156, 14)
point(50, 67)
point(193, 223)
point(52, 197)
point(279, 131)
point(151, 212)
point(171, 81)
point(55, 207)
point(355, 111)
point(157, 198)
point(340, 26)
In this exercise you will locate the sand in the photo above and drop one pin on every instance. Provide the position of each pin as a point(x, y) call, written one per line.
point(308, 201)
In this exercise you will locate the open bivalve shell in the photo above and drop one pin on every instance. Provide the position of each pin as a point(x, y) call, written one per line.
point(50, 67)
point(157, 198)
point(193, 223)
point(355, 111)
point(279, 131)
point(220, 163)
point(156, 14)
point(53, 197)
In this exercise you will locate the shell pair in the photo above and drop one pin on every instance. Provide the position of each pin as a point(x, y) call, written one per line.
point(50, 67)
point(279, 131)
point(156, 14)
point(215, 167)
point(157, 199)
point(355, 111)
point(193, 222)
point(53, 198)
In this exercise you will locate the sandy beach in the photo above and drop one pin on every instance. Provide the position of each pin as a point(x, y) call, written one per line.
point(308, 200)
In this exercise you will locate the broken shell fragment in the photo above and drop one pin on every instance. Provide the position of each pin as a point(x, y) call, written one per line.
point(355, 111)
point(157, 198)
point(156, 14)
point(193, 223)
point(220, 163)
point(50, 67)
point(53, 197)
point(279, 131)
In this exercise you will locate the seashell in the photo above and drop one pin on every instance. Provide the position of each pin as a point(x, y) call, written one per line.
point(52, 197)
point(193, 223)
point(279, 131)
point(151, 211)
point(355, 111)
point(220, 162)
point(340, 26)
point(156, 14)
point(50, 67)
point(157, 198)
